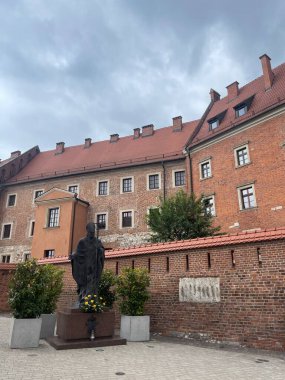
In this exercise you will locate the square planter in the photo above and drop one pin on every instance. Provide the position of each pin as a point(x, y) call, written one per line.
point(48, 325)
point(25, 333)
point(135, 328)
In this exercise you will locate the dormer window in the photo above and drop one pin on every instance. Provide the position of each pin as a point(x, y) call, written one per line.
point(214, 122)
point(242, 108)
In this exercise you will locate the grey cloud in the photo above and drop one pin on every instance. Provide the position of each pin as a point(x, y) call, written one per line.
point(74, 69)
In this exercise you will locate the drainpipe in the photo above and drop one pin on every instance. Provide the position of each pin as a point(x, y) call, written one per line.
point(164, 189)
point(73, 224)
point(190, 172)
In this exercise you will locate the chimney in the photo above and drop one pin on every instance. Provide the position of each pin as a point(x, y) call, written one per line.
point(114, 138)
point(87, 143)
point(177, 124)
point(59, 148)
point(267, 71)
point(215, 96)
point(15, 154)
point(232, 90)
point(147, 130)
point(137, 133)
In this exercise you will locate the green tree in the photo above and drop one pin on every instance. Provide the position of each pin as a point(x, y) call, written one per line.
point(179, 217)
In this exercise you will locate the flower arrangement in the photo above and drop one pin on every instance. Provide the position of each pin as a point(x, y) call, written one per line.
point(92, 304)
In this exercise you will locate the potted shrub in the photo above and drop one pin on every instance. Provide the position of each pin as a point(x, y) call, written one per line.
point(26, 302)
point(106, 288)
point(132, 294)
point(52, 278)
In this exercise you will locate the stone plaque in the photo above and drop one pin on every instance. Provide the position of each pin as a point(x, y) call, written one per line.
point(199, 289)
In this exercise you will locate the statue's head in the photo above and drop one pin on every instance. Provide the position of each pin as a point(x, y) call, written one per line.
point(90, 228)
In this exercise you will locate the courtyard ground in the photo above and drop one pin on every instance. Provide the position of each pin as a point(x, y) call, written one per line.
point(158, 359)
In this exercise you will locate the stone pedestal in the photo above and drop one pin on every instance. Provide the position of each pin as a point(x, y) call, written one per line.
point(72, 330)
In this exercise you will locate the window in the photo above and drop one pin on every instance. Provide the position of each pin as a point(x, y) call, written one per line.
point(49, 253)
point(153, 181)
point(246, 197)
point(101, 221)
point(6, 258)
point(6, 231)
point(242, 108)
point(209, 205)
point(26, 256)
point(179, 178)
point(127, 185)
point(73, 189)
point(127, 217)
point(53, 217)
point(32, 228)
point(213, 124)
point(242, 156)
point(38, 193)
point(11, 200)
point(103, 188)
point(205, 169)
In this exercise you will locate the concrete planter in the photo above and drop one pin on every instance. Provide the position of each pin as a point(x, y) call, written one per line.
point(135, 328)
point(48, 325)
point(25, 333)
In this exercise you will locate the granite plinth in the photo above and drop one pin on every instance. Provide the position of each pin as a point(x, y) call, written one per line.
point(73, 324)
point(60, 344)
point(73, 330)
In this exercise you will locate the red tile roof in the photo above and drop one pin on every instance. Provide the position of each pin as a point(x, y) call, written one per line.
point(126, 151)
point(182, 245)
point(262, 101)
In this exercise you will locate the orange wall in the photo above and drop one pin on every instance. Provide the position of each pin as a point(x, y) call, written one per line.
point(80, 222)
point(57, 238)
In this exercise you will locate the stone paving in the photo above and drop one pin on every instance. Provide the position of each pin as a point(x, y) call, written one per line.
point(157, 359)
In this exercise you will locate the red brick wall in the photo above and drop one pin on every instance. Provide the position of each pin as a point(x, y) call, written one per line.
point(252, 307)
point(266, 172)
point(6, 272)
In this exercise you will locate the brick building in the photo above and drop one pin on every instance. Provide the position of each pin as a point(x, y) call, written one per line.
point(233, 155)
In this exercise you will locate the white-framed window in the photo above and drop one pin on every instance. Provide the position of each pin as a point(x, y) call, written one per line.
point(241, 155)
point(11, 200)
point(6, 231)
point(205, 169)
point(37, 193)
point(103, 187)
point(6, 259)
point(178, 178)
point(73, 189)
point(49, 253)
point(246, 197)
point(31, 228)
point(53, 217)
point(209, 205)
point(153, 181)
point(102, 220)
point(26, 256)
point(127, 185)
point(126, 218)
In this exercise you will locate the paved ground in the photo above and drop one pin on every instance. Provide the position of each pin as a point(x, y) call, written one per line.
point(157, 359)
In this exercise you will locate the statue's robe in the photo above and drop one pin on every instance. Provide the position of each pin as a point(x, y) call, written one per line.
point(87, 265)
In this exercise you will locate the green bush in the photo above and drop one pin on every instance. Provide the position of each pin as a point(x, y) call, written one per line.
point(132, 291)
point(26, 291)
point(34, 289)
point(53, 283)
point(106, 287)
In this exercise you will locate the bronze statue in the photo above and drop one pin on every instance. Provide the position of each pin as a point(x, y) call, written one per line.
point(87, 263)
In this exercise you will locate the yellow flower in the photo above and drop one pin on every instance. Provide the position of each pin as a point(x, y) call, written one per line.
point(95, 296)
point(85, 298)
point(92, 301)
point(89, 296)
point(101, 298)
point(104, 303)
point(86, 303)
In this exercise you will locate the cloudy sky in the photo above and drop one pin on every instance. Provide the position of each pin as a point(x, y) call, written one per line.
point(71, 69)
